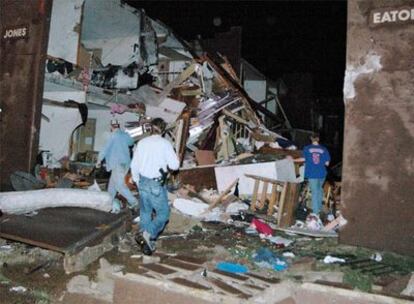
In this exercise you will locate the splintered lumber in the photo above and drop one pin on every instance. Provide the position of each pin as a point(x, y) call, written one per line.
point(183, 136)
point(281, 205)
point(290, 203)
point(231, 83)
point(178, 80)
point(193, 193)
point(223, 194)
point(235, 117)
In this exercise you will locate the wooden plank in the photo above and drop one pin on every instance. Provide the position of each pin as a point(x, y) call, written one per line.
point(264, 195)
point(184, 136)
point(290, 205)
point(281, 205)
point(205, 157)
point(265, 179)
point(91, 227)
point(32, 242)
point(235, 117)
point(254, 197)
point(199, 177)
point(223, 194)
point(302, 231)
point(272, 200)
point(178, 80)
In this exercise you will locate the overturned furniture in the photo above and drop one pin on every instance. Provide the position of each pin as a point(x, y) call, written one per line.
point(276, 195)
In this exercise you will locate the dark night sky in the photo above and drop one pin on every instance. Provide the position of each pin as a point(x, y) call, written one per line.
point(277, 36)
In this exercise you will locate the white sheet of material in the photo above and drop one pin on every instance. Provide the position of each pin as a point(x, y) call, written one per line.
point(226, 175)
point(55, 134)
point(169, 110)
point(285, 169)
point(20, 202)
point(190, 207)
point(235, 207)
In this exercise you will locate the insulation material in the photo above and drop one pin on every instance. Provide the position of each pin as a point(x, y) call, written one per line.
point(371, 65)
point(124, 81)
point(226, 175)
point(21, 202)
point(55, 133)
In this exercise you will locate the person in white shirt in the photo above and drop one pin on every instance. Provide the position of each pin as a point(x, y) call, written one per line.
point(152, 155)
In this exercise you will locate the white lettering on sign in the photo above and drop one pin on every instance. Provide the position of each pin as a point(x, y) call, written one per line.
point(14, 33)
point(384, 16)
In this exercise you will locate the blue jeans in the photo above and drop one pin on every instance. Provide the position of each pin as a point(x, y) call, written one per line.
point(153, 197)
point(315, 185)
point(117, 184)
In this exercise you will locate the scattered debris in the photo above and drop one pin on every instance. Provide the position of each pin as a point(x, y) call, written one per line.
point(409, 289)
point(266, 259)
point(331, 260)
point(19, 289)
point(232, 267)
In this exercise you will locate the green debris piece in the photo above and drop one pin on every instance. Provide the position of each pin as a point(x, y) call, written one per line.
point(41, 296)
point(4, 280)
point(358, 280)
point(403, 264)
point(197, 228)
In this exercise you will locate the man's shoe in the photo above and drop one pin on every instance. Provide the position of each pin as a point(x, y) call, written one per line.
point(146, 250)
point(147, 238)
point(144, 240)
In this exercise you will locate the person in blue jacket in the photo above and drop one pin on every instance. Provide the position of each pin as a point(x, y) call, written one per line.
point(118, 159)
point(316, 158)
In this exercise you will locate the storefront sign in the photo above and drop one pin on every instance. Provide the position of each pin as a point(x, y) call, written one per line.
point(15, 32)
point(386, 16)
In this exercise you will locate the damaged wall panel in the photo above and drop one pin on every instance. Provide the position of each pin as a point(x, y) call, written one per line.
point(378, 171)
point(65, 27)
point(24, 37)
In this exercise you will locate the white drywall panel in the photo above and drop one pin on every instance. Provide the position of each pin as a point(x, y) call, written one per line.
point(65, 26)
point(169, 110)
point(226, 175)
point(55, 133)
point(116, 50)
point(57, 92)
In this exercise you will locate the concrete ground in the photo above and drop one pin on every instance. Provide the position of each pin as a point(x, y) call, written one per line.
point(183, 271)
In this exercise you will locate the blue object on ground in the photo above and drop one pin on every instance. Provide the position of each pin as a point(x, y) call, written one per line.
point(232, 267)
point(267, 259)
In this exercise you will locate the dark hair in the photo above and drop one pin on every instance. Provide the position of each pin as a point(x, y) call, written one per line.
point(159, 124)
point(315, 136)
